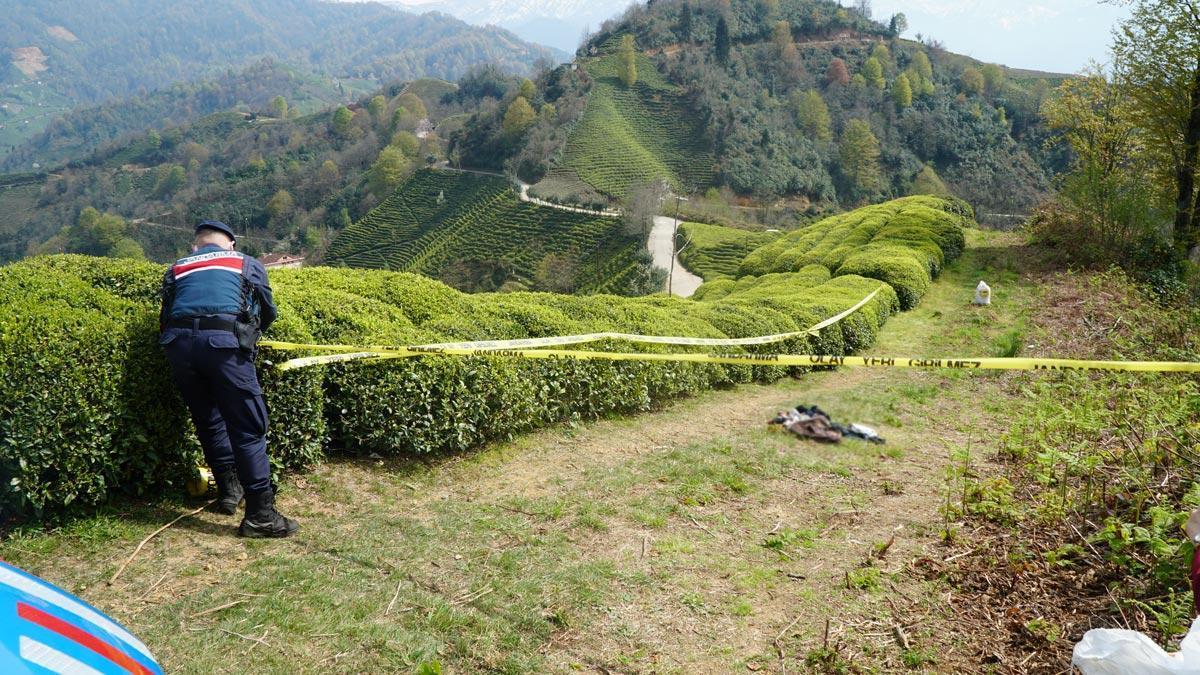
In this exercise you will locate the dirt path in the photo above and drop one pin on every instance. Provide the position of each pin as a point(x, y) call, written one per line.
point(690, 540)
point(680, 281)
point(523, 191)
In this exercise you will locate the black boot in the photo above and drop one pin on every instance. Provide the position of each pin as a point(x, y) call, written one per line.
point(262, 520)
point(229, 492)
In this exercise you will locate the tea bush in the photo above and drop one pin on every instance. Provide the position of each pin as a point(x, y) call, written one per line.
point(904, 242)
point(89, 409)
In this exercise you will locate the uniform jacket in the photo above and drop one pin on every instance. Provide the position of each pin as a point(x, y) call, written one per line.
point(209, 283)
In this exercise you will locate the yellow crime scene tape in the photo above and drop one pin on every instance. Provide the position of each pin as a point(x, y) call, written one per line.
point(809, 360)
point(530, 348)
point(560, 340)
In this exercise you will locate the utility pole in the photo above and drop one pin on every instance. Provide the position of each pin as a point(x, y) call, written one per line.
point(674, 238)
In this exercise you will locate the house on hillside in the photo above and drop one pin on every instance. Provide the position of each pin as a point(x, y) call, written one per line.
point(281, 260)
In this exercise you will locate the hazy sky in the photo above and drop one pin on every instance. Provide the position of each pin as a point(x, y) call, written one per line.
point(1055, 35)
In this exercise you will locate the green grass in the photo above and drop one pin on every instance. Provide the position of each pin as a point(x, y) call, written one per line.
point(438, 218)
point(629, 135)
point(714, 251)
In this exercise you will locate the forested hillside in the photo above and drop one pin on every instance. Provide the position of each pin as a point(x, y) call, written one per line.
point(784, 98)
point(84, 129)
point(58, 55)
point(282, 181)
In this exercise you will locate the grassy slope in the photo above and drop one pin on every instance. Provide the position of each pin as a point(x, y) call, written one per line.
point(481, 218)
point(714, 251)
point(630, 135)
point(690, 540)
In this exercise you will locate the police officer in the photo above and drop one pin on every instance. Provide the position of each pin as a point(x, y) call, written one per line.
point(216, 302)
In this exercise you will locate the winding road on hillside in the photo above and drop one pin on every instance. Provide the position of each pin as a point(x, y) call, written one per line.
point(682, 282)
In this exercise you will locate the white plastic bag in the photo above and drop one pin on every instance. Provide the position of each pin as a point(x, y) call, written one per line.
point(1107, 651)
point(983, 294)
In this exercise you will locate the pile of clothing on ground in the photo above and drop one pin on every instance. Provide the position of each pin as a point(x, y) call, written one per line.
point(812, 422)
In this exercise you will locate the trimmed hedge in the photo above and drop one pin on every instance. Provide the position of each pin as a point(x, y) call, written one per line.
point(88, 409)
point(904, 242)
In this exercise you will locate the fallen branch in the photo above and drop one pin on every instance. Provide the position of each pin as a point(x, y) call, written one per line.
point(960, 555)
point(783, 632)
point(471, 597)
point(393, 602)
point(260, 641)
point(121, 569)
point(154, 585)
point(697, 524)
point(218, 608)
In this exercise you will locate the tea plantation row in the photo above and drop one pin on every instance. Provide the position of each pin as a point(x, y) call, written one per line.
point(437, 218)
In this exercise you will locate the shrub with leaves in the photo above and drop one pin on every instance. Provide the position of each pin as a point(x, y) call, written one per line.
point(904, 242)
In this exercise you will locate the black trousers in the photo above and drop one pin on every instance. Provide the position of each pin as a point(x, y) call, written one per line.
point(217, 380)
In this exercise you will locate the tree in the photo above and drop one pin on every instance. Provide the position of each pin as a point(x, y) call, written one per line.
point(627, 54)
point(1157, 60)
point(328, 176)
point(170, 179)
point(404, 119)
point(387, 172)
point(789, 63)
point(343, 122)
point(781, 35)
point(95, 233)
point(281, 206)
point(279, 107)
point(527, 89)
point(971, 80)
point(872, 72)
point(685, 23)
point(413, 104)
point(993, 78)
point(902, 91)
point(407, 143)
point(194, 152)
point(813, 115)
point(722, 41)
point(859, 155)
point(837, 73)
point(556, 273)
point(377, 108)
point(922, 65)
point(518, 117)
point(927, 182)
point(127, 248)
point(881, 52)
point(1110, 192)
point(548, 113)
point(642, 204)
point(863, 7)
point(898, 24)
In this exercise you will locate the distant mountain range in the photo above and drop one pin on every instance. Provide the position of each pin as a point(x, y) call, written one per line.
point(557, 23)
point(55, 56)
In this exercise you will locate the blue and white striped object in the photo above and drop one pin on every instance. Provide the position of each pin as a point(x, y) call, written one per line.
point(44, 629)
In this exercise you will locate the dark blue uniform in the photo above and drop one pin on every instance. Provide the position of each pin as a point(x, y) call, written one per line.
point(204, 294)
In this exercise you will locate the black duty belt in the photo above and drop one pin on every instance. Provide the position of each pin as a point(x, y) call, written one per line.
point(204, 323)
